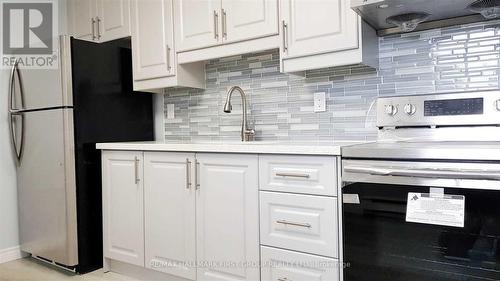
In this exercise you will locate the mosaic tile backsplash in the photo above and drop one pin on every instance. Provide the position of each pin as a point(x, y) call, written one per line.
point(281, 105)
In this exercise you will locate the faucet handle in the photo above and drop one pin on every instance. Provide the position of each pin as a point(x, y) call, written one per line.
point(249, 134)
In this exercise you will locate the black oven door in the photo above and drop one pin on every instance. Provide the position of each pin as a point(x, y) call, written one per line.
point(379, 244)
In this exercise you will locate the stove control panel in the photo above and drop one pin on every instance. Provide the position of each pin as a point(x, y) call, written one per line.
point(450, 109)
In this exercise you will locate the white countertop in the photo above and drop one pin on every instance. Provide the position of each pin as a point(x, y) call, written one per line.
point(257, 147)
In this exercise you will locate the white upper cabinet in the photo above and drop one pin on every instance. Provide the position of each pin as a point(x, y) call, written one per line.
point(113, 19)
point(152, 39)
point(207, 29)
point(227, 217)
point(99, 20)
point(169, 213)
point(123, 206)
point(244, 19)
point(81, 19)
point(198, 23)
point(324, 33)
point(318, 26)
point(153, 52)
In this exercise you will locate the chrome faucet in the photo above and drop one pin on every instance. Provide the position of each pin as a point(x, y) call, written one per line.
point(247, 134)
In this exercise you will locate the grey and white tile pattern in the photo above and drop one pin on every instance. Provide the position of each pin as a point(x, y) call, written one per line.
point(281, 105)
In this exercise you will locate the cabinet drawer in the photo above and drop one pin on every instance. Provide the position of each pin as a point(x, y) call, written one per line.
point(303, 223)
point(284, 265)
point(299, 174)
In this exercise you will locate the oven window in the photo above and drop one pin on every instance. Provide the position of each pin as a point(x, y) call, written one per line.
point(380, 245)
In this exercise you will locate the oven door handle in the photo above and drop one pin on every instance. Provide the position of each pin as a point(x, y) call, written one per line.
point(427, 173)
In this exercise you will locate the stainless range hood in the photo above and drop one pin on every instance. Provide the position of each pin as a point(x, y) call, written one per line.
point(414, 15)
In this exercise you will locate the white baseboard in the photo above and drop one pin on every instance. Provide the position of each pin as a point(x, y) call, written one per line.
point(11, 254)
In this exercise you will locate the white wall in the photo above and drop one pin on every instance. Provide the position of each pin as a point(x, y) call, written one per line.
point(9, 233)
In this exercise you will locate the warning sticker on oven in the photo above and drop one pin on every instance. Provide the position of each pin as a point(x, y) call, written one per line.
point(447, 210)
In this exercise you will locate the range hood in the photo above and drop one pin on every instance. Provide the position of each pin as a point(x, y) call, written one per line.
point(398, 16)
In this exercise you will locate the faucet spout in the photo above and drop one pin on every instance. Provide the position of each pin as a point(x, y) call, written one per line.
point(247, 134)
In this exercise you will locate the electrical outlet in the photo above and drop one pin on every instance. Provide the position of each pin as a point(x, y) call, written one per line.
point(319, 102)
point(170, 111)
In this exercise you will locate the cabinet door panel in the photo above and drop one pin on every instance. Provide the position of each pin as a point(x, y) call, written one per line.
point(197, 23)
point(114, 19)
point(318, 26)
point(170, 213)
point(227, 217)
point(80, 16)
point(246, 20)
point(123, 208)
point(152, 39)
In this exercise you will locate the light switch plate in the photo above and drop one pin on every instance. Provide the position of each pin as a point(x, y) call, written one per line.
point(319, 102)
point(170, 111)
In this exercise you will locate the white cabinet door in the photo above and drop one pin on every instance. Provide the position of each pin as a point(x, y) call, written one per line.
point(227, 217)
point(123, 208)
point(170, 222)
point(81, 18)
point(152, 39)
point(197, 23)
point(113, 19)
point(318, 26)
point(244, 20)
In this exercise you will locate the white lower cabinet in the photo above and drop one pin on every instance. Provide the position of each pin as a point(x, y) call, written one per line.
point(123, 206)
point(283, 265)
point(169, 213)
point(187, 216)
point(196, 216)
point(227, 217)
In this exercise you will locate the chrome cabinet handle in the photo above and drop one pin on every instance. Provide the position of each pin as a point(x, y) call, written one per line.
point(283, 279)
point(285, 222)
point(285, 37)
point(224, 24)
point(168, 58)
point(93, 28)
point(98, 28)
point(136, 163)
point(293, 175)
point(216, 25)
point(196, 175)
point(188, 174)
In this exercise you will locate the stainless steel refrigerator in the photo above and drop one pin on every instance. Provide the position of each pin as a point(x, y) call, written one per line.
point(56, 117)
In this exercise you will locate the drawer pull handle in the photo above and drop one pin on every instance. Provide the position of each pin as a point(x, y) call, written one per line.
point(293, 223)
point(284, 279)
point(290, 175)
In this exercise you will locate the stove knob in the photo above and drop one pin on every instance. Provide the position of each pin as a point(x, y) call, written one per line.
point(410, 109)
point(391, 110)
point(497, 103)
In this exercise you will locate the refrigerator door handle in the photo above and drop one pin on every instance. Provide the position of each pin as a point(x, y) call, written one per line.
point(15, 72)
point(11, 87)
point(18, 150)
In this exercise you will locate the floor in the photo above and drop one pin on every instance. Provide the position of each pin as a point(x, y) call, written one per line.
point(29, 269)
